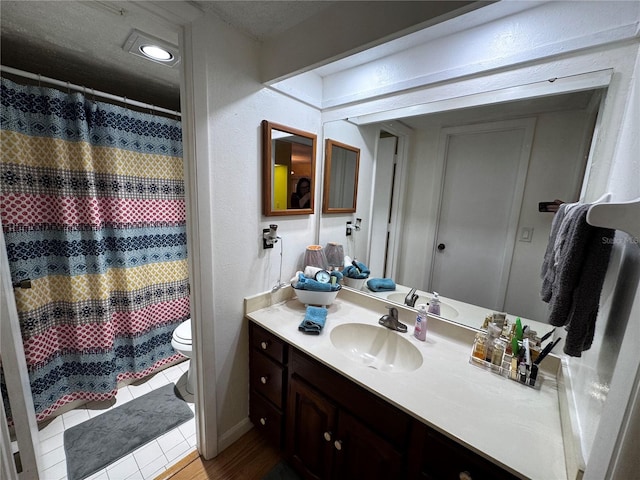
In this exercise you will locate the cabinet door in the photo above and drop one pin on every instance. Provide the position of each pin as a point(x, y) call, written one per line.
point(361, 453)
point(311, 420)
point(435, 457)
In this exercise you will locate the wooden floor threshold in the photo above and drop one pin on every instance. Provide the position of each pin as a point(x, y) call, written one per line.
point(174, 469)
point(249, 458)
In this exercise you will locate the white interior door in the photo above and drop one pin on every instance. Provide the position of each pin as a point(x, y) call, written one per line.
point(381, 211)
point(484, 175)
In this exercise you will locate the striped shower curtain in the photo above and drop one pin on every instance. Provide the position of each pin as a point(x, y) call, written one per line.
point(93, 213)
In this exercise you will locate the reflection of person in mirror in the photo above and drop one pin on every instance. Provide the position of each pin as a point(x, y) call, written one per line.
point(301, 198)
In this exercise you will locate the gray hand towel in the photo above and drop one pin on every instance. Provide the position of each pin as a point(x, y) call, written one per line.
point(582, 261)
point(548, 271)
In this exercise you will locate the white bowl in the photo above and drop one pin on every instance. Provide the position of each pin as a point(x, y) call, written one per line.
point(356, 283)
point(310, 297)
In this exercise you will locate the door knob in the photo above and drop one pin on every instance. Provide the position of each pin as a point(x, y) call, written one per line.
point(327, 436)
point(441, 246)
point(338, 444)
point(264, 379)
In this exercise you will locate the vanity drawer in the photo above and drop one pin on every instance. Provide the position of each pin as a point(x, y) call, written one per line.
point(267, 343)
point(266, 377)
point(266, 418)
point(436, 457)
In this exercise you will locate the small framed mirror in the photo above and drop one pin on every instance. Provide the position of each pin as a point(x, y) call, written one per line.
point(340, 191)
point(289, 165)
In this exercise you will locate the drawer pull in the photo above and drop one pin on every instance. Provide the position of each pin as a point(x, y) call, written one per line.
point(263, 421)
point(327, 436)
point(465, 476)
point(264, 345)
point(264, 379)
point(338, 444)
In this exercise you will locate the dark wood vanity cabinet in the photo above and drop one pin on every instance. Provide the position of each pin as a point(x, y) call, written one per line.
point(331, 428)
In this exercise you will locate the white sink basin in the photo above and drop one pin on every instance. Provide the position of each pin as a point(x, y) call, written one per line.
point(446, 310)
point(376, 347)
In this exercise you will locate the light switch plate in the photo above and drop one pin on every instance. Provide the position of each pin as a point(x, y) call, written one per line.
point(526, 233)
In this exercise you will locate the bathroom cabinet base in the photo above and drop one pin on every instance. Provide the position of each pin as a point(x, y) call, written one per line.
point(331, 428)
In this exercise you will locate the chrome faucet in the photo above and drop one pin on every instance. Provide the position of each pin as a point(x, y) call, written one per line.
point(411, 298)
point(391, 321)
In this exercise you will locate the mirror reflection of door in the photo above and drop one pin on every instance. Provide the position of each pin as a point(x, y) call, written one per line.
point(342, 163)
point(485, 171)
point(343, 170)
point(382, 204)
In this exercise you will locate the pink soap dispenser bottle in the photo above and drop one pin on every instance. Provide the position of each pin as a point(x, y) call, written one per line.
point(420, 329)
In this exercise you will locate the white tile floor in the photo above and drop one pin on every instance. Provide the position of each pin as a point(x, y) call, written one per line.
point(148, 461)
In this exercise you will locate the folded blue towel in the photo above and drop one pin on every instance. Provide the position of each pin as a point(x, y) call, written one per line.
point(305, 283)
point(381, 284)
point(314, 320)
point(337, 274)
point(361, 266)
point(353, 272)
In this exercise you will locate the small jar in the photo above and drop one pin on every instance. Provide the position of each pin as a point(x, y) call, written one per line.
point(479, 346)
point(493, 333)
point(506, 364)
point(497, 352)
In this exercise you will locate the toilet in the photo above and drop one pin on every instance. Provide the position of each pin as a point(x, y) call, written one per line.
point(181, 343)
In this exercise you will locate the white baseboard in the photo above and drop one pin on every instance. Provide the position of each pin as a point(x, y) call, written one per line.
point(233, 434)
point(574, 456)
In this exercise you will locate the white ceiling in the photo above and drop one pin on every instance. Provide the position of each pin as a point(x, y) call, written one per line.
point(266, 19)
point(581, 100)
point(81, 41)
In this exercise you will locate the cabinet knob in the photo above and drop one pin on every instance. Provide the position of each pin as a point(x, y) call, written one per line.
point(264, 379)
point(264, 345)
point(338, 444)
point(327, 436)
point(263, 421)
point(465, 476)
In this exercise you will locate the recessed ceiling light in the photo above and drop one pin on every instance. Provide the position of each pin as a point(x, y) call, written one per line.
point(152, 48)
point(157, 53)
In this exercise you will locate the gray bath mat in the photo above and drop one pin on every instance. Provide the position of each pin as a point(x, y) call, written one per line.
point(96, 443)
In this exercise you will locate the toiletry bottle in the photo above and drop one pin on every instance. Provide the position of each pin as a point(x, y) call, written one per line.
point(434, 304)
point(420, 330)
point(497, 354)
point(479, 346)
point(493, 332)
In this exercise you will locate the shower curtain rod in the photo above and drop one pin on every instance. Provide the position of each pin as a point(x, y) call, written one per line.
point(80, 88)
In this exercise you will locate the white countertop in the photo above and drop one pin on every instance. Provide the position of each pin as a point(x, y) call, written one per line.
point(516, 426)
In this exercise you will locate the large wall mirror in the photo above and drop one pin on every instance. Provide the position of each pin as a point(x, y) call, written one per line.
point(431, 235)
point(288, 170)
point(340, 192)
